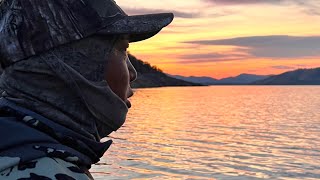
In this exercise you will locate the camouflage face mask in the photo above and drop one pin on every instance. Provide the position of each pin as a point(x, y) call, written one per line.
point(67, 86)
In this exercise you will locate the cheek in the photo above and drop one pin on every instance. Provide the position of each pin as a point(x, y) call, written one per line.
point(117, 76)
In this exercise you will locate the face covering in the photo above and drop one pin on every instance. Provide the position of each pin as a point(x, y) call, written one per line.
point(66, 85)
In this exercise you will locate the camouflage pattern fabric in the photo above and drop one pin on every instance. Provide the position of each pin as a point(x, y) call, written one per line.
point(38, 169)
point(28, 135)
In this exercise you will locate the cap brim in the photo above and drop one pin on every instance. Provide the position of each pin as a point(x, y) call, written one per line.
point(138, 27)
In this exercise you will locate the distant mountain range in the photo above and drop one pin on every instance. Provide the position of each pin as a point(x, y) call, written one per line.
point(200, 80)
point(237, 80)
point(242, 79)
point(297, 77)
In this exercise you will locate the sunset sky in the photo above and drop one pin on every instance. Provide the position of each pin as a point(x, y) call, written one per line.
point(222, 38)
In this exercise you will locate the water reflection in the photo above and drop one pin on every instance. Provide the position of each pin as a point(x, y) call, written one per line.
point(220, 132)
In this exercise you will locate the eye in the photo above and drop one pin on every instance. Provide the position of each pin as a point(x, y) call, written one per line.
point(125, 46)
point(122, 45)
point(124, 49)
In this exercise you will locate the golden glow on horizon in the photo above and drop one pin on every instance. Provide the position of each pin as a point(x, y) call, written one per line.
point(168, 49)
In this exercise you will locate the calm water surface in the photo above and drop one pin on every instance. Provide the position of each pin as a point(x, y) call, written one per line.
point(218, 132)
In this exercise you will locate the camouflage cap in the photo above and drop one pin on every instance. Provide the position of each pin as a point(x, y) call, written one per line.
point(29, 27)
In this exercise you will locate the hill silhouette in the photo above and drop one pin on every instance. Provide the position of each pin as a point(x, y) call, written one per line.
point(152, 76)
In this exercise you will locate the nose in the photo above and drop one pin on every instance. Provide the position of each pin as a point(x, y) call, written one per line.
point(132, 71)
point(130, 93)
point(133, 74)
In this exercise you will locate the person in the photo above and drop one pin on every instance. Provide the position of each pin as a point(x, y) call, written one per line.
point(65, 83)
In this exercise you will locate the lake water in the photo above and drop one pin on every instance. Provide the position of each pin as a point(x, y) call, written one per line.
point(218, 132)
